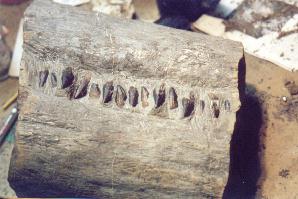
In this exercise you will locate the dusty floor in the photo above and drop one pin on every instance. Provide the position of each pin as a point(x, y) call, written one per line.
point(278, 137)
point(264, 151)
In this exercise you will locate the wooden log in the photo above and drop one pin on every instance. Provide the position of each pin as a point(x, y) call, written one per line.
point(113, 108)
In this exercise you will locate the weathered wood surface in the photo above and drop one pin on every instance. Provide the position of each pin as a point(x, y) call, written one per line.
point(71, 143)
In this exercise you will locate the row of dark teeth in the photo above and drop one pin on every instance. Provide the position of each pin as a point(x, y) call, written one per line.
point(78, 89)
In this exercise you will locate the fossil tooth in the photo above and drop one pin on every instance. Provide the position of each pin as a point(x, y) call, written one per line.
point(121, 96)
point(82, 88)
point(67, 77)
point(53, 80)
point(70, 91)
point(173, 98)
point(159, 96)
point(133, 96)
point(215, 109)
point(188, 105)
point(214, 105)
point(43, 76)
point(227, 105)
point(202, 105)
point(144, 96)
point(108, 89)
point(94, 91)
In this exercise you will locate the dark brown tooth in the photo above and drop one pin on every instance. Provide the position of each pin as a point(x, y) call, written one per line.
point(159, 96)
point(53, 80)
point(108, 89)
point(144, 96)
point(173, 98)
point(67, 78)
point(133, 96)
point(188, 105)
point(121, 96)
point(82, 88)
point(215, 109)
point(94, 91)
point(43, 76)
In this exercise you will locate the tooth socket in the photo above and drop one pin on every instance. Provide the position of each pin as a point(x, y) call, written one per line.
point(94, 91)
point(81, 89)
point(53, 80)
point(121, 96)
point(144, 97)
point(108, 89)
point(133, 96)
point(43, 76)
point(159, 96)
point(173, 98)
point(188, 106)
point(67, 78)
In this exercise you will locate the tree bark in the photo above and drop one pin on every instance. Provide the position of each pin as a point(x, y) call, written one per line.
point(113, 108)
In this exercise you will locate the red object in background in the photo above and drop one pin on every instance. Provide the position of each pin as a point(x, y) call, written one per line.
point(11, 2)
